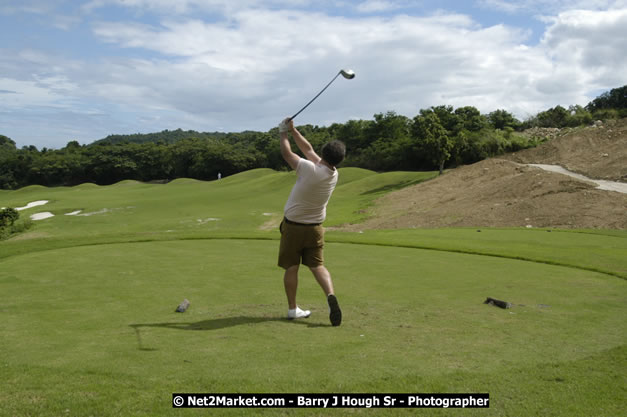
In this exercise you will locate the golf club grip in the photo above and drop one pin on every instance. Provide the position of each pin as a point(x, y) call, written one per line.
point(317, 95)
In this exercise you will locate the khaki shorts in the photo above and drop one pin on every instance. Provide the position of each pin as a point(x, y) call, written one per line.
point(301, 243)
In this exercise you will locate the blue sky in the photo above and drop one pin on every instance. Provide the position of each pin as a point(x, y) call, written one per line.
point(81, 70)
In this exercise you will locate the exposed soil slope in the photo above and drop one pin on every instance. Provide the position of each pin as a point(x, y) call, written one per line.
point(598, 151)
point(501, 192)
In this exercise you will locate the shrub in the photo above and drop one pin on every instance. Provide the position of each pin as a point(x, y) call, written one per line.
point(8, 216)
point(10, 223)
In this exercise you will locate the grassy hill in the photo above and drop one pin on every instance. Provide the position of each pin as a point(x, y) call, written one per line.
point(242, 202)
point(165, 136)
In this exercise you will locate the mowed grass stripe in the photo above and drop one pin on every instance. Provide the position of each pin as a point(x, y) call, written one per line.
point(592, 252)
point(606, 257)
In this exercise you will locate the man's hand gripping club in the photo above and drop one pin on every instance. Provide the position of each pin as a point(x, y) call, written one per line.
point(287, 125)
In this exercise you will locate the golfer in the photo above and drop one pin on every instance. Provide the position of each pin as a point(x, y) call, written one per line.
point(302, 234)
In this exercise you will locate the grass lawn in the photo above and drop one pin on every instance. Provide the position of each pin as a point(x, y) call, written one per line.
point(88, 324)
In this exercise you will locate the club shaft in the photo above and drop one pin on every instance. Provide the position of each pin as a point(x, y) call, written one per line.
point(312, 100)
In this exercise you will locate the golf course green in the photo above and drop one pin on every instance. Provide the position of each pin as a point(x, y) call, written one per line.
point(88, 323)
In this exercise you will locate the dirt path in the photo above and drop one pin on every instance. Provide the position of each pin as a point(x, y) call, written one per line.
point(620, 187)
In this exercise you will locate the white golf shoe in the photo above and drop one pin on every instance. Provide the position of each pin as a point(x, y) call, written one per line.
point(297, 313)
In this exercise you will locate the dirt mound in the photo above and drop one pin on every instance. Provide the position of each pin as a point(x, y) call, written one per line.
point(503, 193)
point(598, 151)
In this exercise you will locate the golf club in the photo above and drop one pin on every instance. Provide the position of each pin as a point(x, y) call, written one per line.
point(348, 74)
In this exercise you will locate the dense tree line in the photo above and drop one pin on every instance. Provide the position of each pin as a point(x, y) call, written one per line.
point(438, 137)
point(389, 142)
point(105, 163)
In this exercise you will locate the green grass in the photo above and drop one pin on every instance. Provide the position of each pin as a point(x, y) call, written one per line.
point(594, 250)
point(88, 324)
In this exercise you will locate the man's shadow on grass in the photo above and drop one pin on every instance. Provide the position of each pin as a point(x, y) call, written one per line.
point(217, 324)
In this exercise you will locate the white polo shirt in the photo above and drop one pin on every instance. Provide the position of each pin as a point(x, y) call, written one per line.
point(311, 193)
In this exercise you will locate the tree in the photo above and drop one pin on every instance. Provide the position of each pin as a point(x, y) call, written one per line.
point(8, 216)
point(471, 118)
point(72, 145)
point(501, 119)
point(555, 117)
point(354, 134)
point(6, 144)
point(389, 135)
point(578, 116)
point(389, 126)
point(613, 99)
point(109, 164)
point(8, 154)
point(449, 120)
point(432, 138)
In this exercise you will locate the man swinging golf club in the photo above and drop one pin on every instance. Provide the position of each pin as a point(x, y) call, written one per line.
point(302, 234)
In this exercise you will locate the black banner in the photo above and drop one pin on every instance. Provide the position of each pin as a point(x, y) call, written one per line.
point(187, 400)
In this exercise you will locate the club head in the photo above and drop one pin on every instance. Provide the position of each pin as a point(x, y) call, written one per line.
point(348, 74)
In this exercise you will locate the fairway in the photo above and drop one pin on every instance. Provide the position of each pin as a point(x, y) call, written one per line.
point(88, 323)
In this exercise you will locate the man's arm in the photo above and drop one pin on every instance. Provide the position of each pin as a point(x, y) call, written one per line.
point(286, 151)
point(304, 145)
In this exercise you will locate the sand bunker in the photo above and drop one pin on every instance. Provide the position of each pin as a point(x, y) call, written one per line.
point(32, 204)
point(41, 216)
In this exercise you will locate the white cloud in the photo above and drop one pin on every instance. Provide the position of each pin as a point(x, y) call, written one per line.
point(403, 63)
point(591, 44)
point(372, 6)
point(26, 6)
point(550, 7)
point(183, 7)
point(50, 91)
point(65, 22)
point(173, 6)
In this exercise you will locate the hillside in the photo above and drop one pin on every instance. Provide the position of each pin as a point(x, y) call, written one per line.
point(505, 192)
point(598, 151)
point(165, 136)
